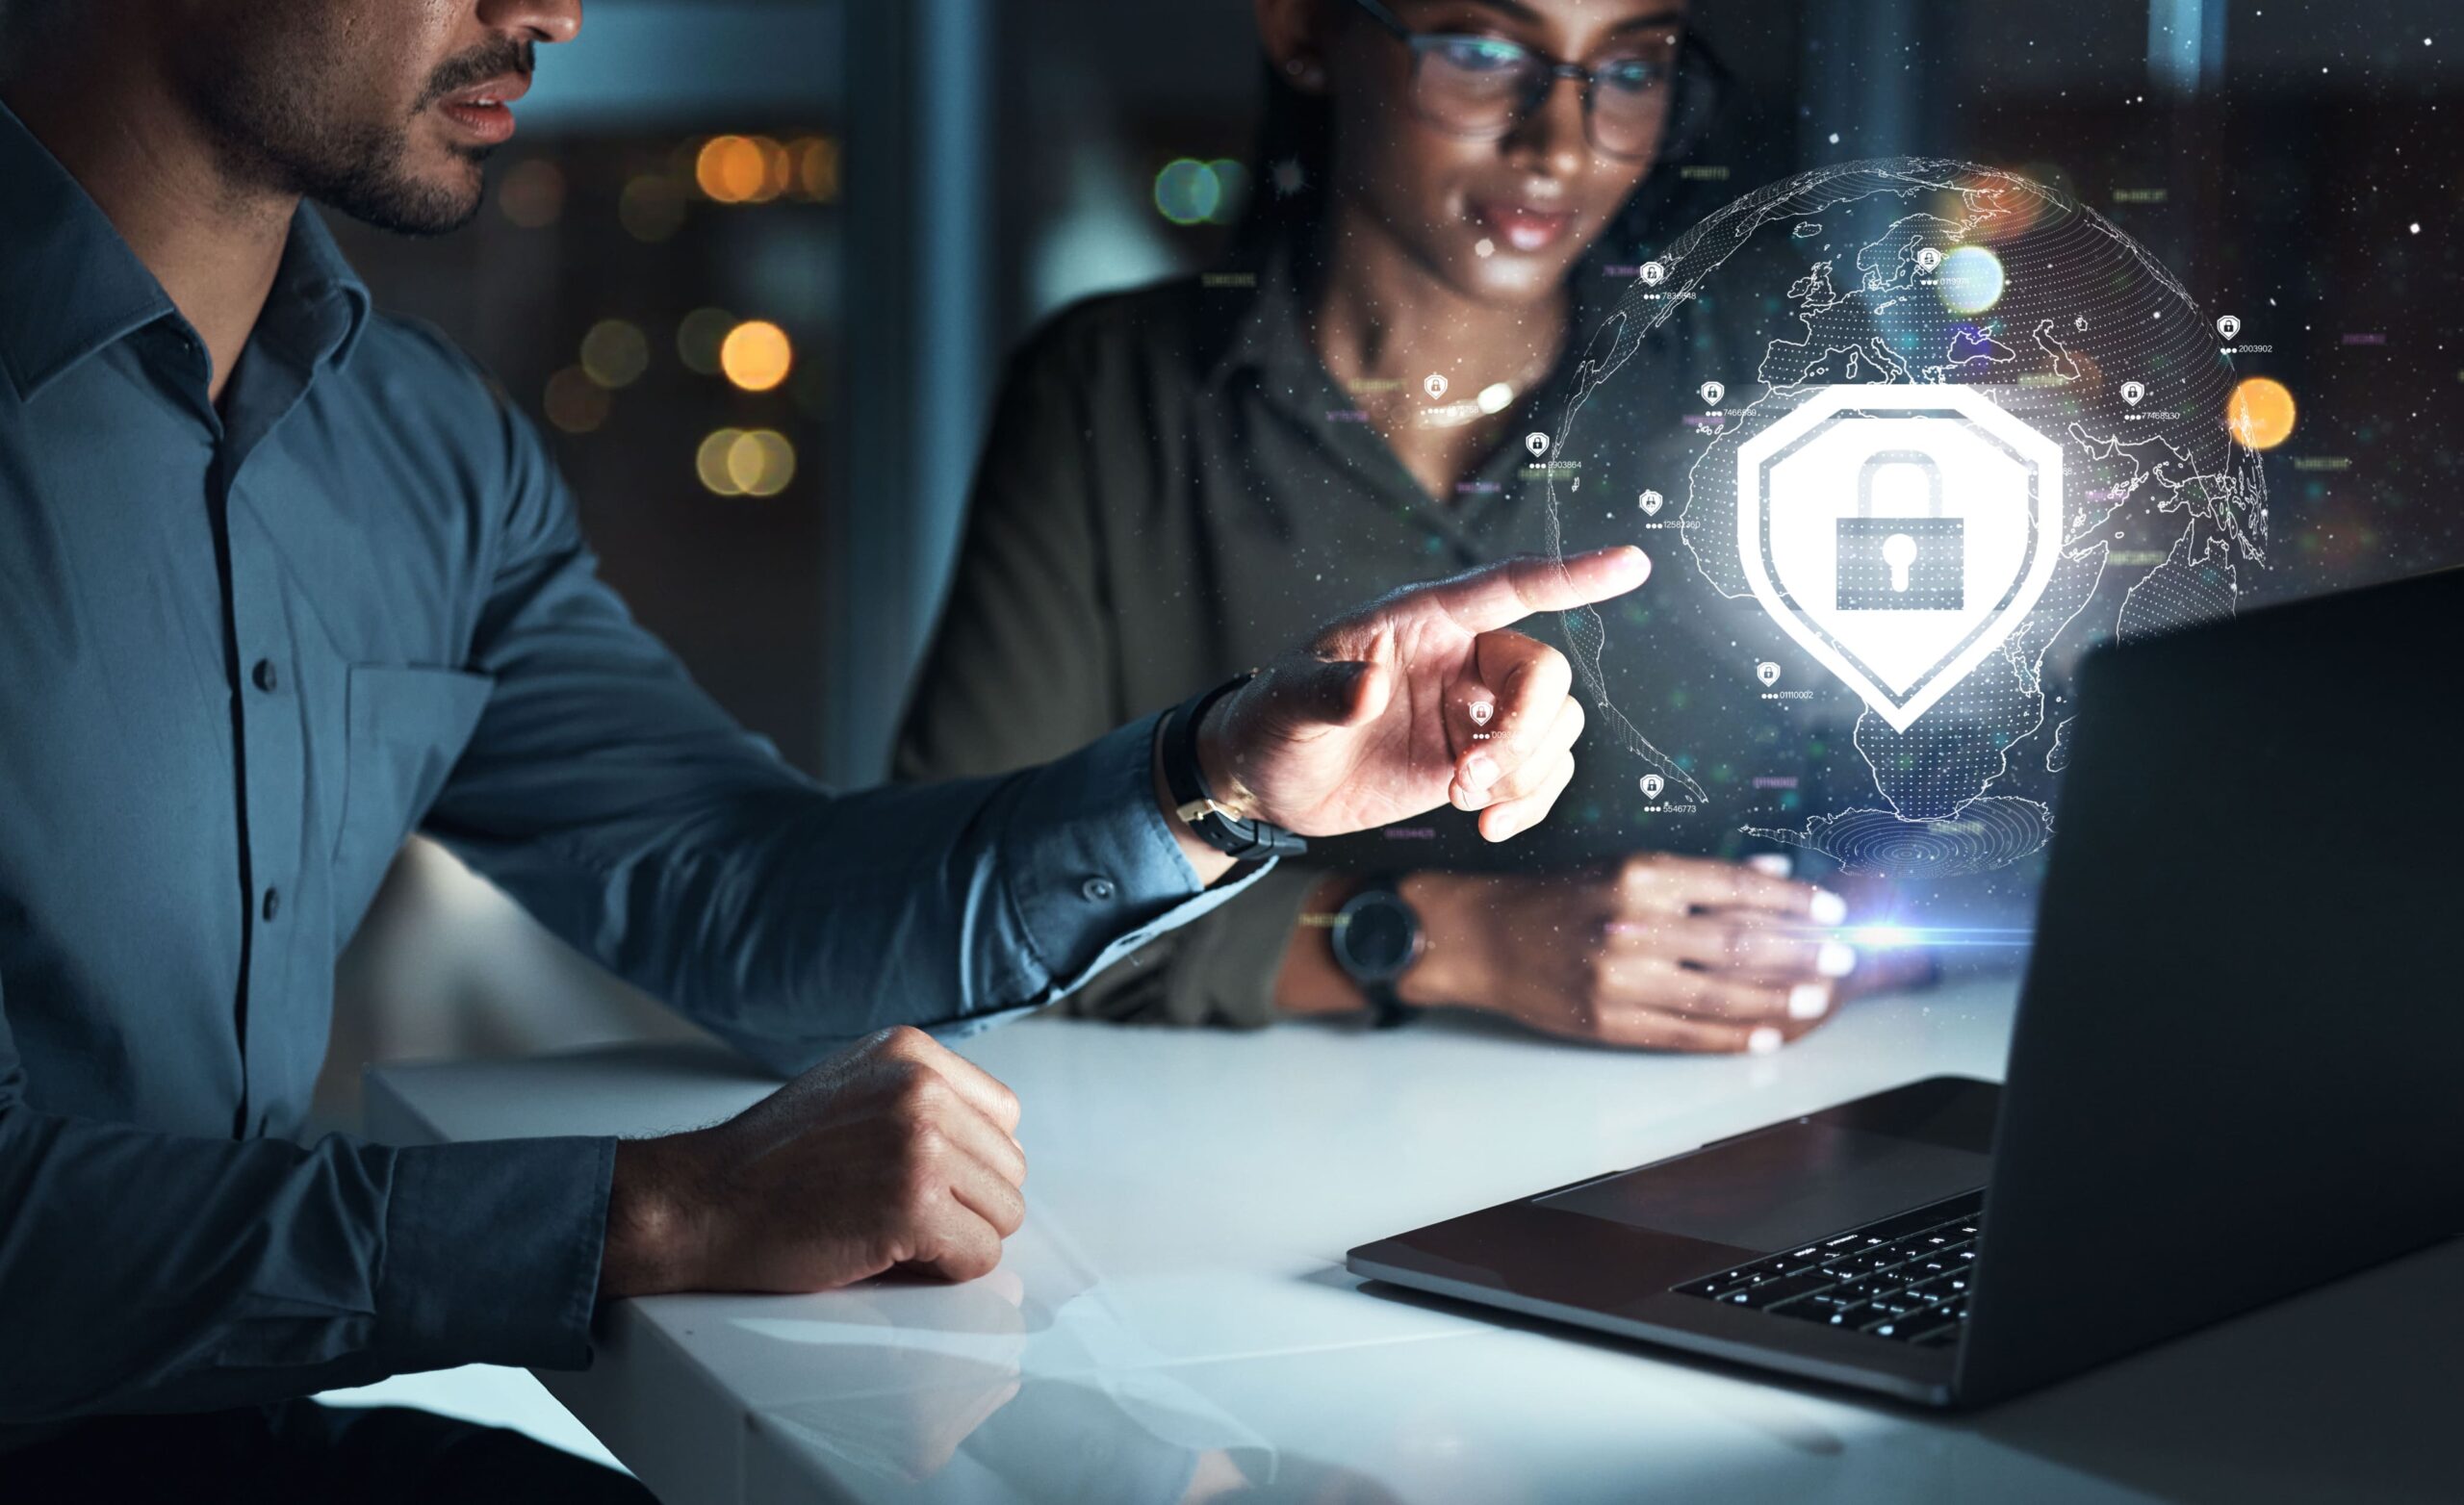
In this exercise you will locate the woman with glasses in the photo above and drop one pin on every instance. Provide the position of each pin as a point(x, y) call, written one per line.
point(1178, 478)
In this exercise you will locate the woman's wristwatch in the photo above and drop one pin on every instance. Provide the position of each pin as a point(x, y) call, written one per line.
point(1376, 936)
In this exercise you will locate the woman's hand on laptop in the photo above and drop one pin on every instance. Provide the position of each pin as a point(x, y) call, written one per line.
point(1661, 952)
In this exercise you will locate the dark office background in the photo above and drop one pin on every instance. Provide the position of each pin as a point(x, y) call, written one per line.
point(903, 188)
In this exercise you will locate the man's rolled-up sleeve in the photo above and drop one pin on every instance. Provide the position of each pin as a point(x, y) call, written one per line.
point(618, 803)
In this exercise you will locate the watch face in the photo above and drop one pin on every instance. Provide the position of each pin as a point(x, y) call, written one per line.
point(1377, 936)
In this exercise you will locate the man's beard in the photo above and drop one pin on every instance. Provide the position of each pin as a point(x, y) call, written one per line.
point(273, 134)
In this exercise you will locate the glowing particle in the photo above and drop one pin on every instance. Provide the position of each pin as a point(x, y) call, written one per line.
point(1971, 280)
point(1485, 247)
point(1495, 398)
point(757, 355)
point(2260, 413)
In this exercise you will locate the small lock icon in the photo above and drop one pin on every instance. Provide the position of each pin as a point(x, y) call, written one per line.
point(1902, 563)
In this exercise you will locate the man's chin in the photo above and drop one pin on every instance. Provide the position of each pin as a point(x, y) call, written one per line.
point(436, 202)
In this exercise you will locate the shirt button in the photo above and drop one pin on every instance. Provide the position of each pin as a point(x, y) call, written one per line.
point(268, 679)
point(1098, 890)
point(273, 906)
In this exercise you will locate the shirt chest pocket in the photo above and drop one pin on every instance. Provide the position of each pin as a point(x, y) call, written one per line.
point(404, 728)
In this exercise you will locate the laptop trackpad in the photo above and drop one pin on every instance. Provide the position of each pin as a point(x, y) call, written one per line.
point(1778, 1190)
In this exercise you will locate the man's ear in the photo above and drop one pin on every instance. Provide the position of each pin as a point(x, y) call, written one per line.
point(1295, 34)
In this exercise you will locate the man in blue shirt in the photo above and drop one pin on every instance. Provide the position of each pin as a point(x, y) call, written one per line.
point(280, 580)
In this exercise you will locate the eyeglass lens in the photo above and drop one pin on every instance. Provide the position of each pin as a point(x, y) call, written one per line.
point(1484, 86)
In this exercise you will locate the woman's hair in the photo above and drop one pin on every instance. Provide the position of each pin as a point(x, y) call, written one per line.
point(1292, 168)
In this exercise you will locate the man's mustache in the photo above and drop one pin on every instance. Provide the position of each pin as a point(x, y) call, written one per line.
point(490, 61)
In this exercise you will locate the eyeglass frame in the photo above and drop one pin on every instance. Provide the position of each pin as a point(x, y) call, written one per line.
point(1694, 62)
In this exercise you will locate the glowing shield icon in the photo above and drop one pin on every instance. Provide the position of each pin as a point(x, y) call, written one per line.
point(1650, 501)
point(1898, 533)
point(1654, 785)
point(1711, 393)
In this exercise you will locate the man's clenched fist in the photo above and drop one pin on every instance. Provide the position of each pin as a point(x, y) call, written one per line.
point(894, 1154)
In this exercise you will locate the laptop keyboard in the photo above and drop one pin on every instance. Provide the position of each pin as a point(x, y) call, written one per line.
point(1903, 1277)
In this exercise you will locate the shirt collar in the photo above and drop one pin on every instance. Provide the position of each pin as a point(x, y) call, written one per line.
point(70, 285)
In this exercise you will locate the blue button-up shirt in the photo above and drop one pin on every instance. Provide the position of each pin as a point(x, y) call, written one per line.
point(243, 654)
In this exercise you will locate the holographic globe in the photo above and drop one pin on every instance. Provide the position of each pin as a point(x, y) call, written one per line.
point(1926, 431)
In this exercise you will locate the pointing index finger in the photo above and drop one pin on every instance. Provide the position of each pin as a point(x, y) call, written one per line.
point(1503, 594)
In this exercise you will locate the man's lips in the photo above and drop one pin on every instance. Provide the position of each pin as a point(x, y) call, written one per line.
point(485, 109)
point(1523, 227)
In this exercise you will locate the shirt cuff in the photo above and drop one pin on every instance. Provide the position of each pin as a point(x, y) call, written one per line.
point(1098, 872)
point(492, 1252)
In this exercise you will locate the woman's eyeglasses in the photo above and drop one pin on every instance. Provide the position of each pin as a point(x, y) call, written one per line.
point(1482, 88)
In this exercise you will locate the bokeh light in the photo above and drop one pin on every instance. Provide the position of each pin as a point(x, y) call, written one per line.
point(615, 354)
point(816, 159)
point(1969, 280)
point(532, 194)
point(1232, 180)
point(2260, 413)
point(738, 462)
point(699, 338)
point(574, 403)
point(761, 462)
point(710, 462)
point(735, 170)
point(652, 208)
point(1187, 190)
point(757, 355)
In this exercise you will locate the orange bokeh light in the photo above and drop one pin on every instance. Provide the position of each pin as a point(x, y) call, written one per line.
point(2260, 413)
point(757, 355)
point(733, 169)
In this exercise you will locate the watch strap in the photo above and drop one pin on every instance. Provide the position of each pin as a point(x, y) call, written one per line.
point(1226, 827)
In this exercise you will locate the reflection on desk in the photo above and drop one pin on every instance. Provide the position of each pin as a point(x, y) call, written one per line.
point(1173, 1323)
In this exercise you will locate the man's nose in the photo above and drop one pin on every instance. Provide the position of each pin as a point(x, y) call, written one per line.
point(542, 21)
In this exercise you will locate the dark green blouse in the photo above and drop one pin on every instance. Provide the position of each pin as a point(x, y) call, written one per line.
point(1174, 489)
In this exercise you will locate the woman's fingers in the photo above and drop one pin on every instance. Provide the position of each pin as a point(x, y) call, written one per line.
point(1742, 942)
point(1647, 981)
point(1652, 1029)
point(1658, 883)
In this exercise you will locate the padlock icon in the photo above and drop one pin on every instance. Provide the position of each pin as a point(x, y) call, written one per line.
point(1902, 563)
point(1654, 785)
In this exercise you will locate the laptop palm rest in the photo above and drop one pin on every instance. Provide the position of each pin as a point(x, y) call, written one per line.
point(1780, 1187)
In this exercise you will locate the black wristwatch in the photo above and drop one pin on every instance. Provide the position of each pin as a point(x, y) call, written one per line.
point(1376, 936)
point(1219, 825)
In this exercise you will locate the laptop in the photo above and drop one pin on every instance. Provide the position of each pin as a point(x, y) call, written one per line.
point(2237, 1071)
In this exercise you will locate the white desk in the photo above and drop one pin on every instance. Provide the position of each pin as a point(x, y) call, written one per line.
point(1174, 1319)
